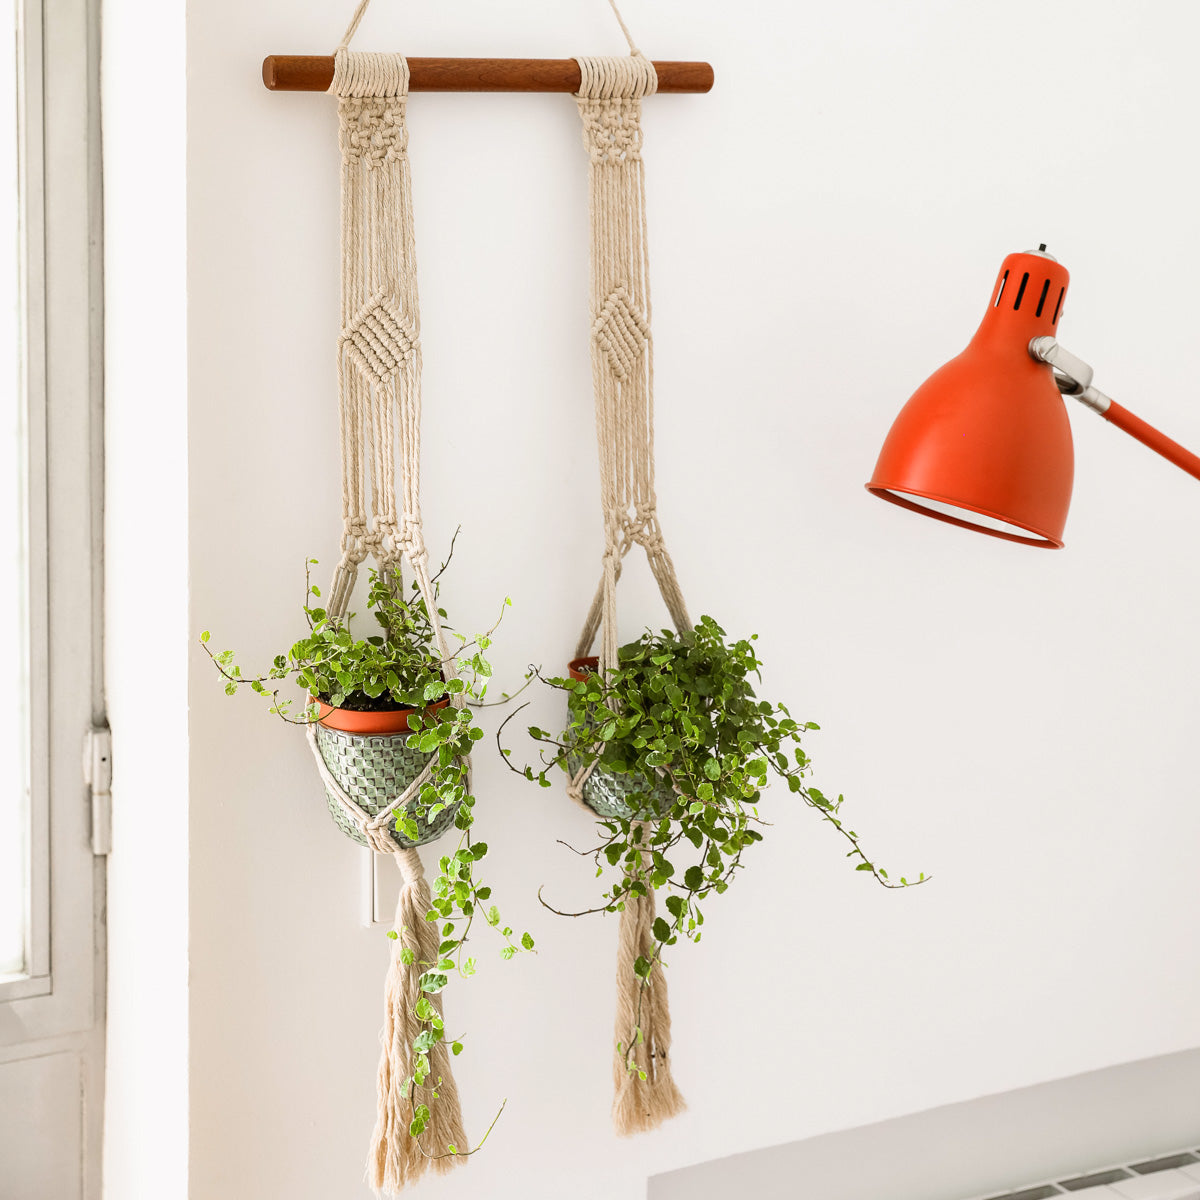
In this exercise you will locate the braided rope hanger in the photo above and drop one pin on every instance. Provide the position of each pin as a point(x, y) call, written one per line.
point(610, 95)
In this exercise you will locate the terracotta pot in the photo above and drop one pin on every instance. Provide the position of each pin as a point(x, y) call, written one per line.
point(377, 724)
point(581, 668)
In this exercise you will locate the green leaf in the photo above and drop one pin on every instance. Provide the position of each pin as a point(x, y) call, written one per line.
point(434, 981)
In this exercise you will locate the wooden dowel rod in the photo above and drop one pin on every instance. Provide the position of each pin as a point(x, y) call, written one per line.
point(314, 73)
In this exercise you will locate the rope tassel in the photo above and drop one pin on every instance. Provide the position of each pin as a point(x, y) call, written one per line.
point(643, 1029)
point(397, 1159)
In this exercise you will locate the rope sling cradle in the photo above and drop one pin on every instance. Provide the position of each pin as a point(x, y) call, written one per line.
point(379, 409)
point(644, 1092)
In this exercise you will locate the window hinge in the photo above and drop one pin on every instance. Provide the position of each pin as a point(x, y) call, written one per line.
point(97, 773)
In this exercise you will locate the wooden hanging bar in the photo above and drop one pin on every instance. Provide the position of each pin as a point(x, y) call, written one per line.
point(314, 73)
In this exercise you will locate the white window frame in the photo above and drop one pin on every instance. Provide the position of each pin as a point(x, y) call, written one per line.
point(60, 994)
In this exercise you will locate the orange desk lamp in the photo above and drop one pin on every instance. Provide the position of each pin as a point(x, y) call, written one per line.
point(984, 442)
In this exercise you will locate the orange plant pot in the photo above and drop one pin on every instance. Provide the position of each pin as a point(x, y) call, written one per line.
point(581, 668)
point(378, 724)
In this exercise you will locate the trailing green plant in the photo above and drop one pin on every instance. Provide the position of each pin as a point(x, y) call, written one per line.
point(679, 718)
point(400, 667)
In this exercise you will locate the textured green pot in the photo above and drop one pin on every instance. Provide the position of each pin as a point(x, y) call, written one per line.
point(613, 793)
point(373, 770)
point(617, 794)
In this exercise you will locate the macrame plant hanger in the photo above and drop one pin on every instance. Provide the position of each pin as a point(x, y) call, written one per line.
point(610, 105)
point(379, 399)
point(379, 409)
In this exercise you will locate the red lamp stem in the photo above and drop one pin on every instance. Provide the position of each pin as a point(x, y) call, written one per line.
point(1172, 451)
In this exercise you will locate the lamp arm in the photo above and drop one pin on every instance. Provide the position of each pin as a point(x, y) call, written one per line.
point(1133, 425)
point(1074, 378)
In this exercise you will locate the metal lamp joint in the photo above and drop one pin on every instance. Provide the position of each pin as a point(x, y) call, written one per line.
point(1072, 375)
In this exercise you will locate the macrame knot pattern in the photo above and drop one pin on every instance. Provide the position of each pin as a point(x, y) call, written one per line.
point(410, 537)
point(612, 130)
point(380, 339)
point(373, 130)
point(644, 529)
point(621, 332)
point(354, 549)
point(623, 531)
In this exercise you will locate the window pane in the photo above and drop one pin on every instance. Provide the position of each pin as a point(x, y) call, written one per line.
point(14, 689)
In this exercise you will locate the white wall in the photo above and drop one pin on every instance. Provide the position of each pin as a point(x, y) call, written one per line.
point(825, 227)
point(144, 102)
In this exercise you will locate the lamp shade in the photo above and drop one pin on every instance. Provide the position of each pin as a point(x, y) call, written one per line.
point(985, 442)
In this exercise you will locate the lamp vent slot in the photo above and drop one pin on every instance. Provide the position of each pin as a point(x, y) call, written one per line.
point(1042, 298)
point(1021, 291)
point(1058, 307)
point(1000, 293)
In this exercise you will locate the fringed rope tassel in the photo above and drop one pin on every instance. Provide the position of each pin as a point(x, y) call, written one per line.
point(398, 1159)
point(643, 1029)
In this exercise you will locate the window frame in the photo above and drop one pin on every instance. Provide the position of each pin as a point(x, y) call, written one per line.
point(61, 989)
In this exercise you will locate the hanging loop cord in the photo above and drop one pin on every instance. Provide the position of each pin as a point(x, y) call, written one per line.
point(379, 423)
point(620, 21)
point(609, 98)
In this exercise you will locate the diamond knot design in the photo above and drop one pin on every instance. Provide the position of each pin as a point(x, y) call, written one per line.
point(621, 332)
point(380, 339)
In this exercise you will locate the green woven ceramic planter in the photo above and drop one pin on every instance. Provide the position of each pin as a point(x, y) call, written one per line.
point(616, 794)
point(622, 795)
point(373, 770)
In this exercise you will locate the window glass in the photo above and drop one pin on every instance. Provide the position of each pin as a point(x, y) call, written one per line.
point(14, 685)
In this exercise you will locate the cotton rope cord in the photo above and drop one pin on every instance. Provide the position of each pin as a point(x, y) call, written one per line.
point(622, 351)
point(379, 422)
